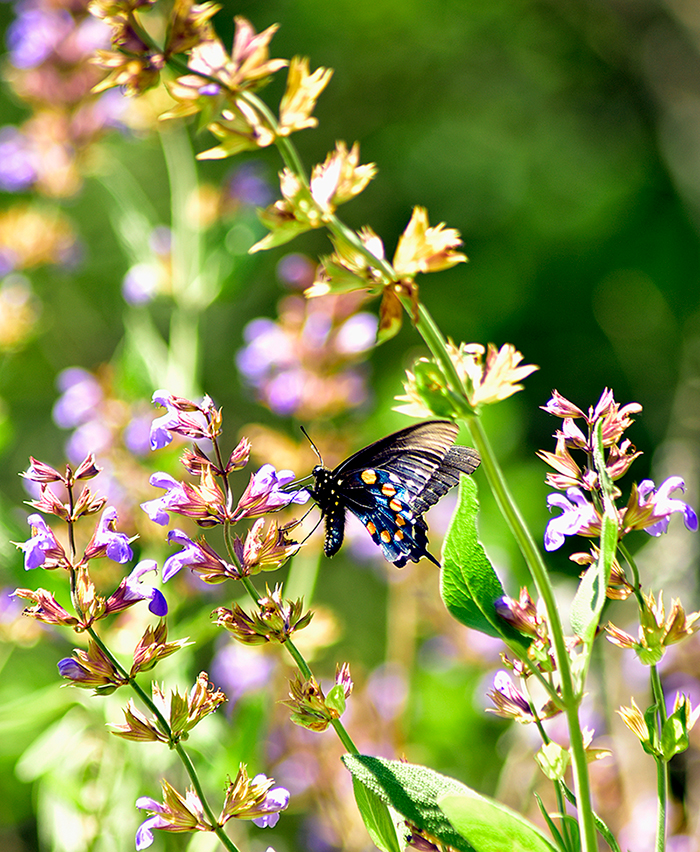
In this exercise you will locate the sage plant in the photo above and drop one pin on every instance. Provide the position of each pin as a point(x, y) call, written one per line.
point(400, 803)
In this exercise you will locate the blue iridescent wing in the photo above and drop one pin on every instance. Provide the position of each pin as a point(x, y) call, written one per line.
point(390, 484)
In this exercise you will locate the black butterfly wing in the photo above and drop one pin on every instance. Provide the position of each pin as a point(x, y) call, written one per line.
point(389, 484)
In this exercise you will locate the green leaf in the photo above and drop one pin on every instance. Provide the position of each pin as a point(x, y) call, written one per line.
point(376, 818)
point(674, 734)
point(336, 699)
point(468, 584)
point(412, 791)
point(556, 834)
point(445, 808)
point(553, 760)
point(590, 597)
point(490, 826)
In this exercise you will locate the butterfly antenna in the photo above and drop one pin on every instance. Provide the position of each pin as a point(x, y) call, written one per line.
point(315, 527)
point(313, 446)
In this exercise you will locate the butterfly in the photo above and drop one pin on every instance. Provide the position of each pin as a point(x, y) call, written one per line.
point(389, 485)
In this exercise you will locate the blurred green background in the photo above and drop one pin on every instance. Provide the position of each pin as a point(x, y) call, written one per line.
point(561, 138)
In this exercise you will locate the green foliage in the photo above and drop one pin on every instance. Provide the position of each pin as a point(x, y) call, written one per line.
point(469, 585)
point(446, 809)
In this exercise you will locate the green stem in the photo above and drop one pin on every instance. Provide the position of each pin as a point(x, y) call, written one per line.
point(570, 695)
point(194, 778)
point(636, 584)
point(167, 731)
point(188, 289)
point(603, 830)
point(558, 791)
point(661, 764)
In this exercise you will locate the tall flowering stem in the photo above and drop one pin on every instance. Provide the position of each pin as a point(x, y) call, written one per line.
point(571, 698)
point(304, 668)
point(178, 747)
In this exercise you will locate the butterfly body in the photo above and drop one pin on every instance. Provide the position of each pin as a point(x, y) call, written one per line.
point(389, 485)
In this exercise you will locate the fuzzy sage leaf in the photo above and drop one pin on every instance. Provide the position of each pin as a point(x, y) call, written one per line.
point(468, 584)
point(445, 808)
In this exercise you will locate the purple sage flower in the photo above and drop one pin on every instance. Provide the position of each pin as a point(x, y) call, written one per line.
point(80, 395)
point(192, 554)
point(578, 517)
point(36, 33)
point(161, 426)
point(157, 510)
point(18, 168)
point(275, 801)
point(137, 435)
point(134, 590)
point(264, 493)
point(106, 541)
point(663, 505)
point(144, 833)
point(188, 421)
point(37, 548)
point(69, 667)
point(247, 184)
point(140, 284)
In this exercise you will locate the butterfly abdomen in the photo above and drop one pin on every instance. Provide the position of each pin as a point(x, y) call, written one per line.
point(325, 493)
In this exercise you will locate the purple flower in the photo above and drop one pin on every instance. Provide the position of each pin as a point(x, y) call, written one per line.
point(191, 555)
point(39, 546)
point(144, 835)
point(69, 667)
point(157, 510)
point(357, 334)
point(247, 183)
point(275, 801)
point(134, 590)
point(264, 493)
point(509, 700)
point(35, 33)
point(663, 506)
point(578, 517)
point(137, 435)
point(80, 395)
point(161, 426)
point(17, 160)
point(106, 541)
point(296, 270)
point(140, 284)
point(268, 349)
point(94, 436)
point(240, 669)
point(182, 417)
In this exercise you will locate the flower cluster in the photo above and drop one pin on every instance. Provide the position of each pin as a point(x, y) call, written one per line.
point(44, 550)
point(305, 363)
point(68, 495)
point(210, 503)
point(486, 376)
point(648, 508)
point(276, 620)
point(360, 264)
point(656, 630)
point(182, 712)
point(218, 82)
point(49, 44)
point(256, 799)
point(310, 707)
